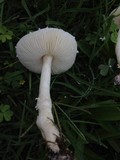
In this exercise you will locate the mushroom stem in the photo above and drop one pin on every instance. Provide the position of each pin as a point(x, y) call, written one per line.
point(45, 120)
point(44, 89)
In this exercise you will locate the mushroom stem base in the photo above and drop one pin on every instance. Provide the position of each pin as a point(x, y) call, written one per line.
point(63, 154)
point(45, 123)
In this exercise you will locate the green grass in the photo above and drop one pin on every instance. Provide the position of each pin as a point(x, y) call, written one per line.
point(86, 103)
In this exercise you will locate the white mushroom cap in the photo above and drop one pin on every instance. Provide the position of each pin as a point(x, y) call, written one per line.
point(48, 41)
point(116, 13)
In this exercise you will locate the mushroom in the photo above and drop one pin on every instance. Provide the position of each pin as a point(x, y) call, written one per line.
point(116, 19)
point(47, 51)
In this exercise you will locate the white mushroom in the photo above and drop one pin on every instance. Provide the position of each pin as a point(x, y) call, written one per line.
point(116, 19)
point(47, 51)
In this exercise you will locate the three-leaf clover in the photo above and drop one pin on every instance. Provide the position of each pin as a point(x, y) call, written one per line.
point(5, 113)
point(114, 32)
point(104, 68)
point(5, 34)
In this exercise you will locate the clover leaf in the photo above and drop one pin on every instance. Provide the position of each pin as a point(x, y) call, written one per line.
point(5, 113)
point(5, 34)
point(103, 69)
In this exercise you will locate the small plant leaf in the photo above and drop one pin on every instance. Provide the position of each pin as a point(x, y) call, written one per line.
point(4, 108)
point(113, 37)
point(9, 37)
point(2, 38)
point(113, 27)
point(7, 115)
point(103, 69)
point(5, 34)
